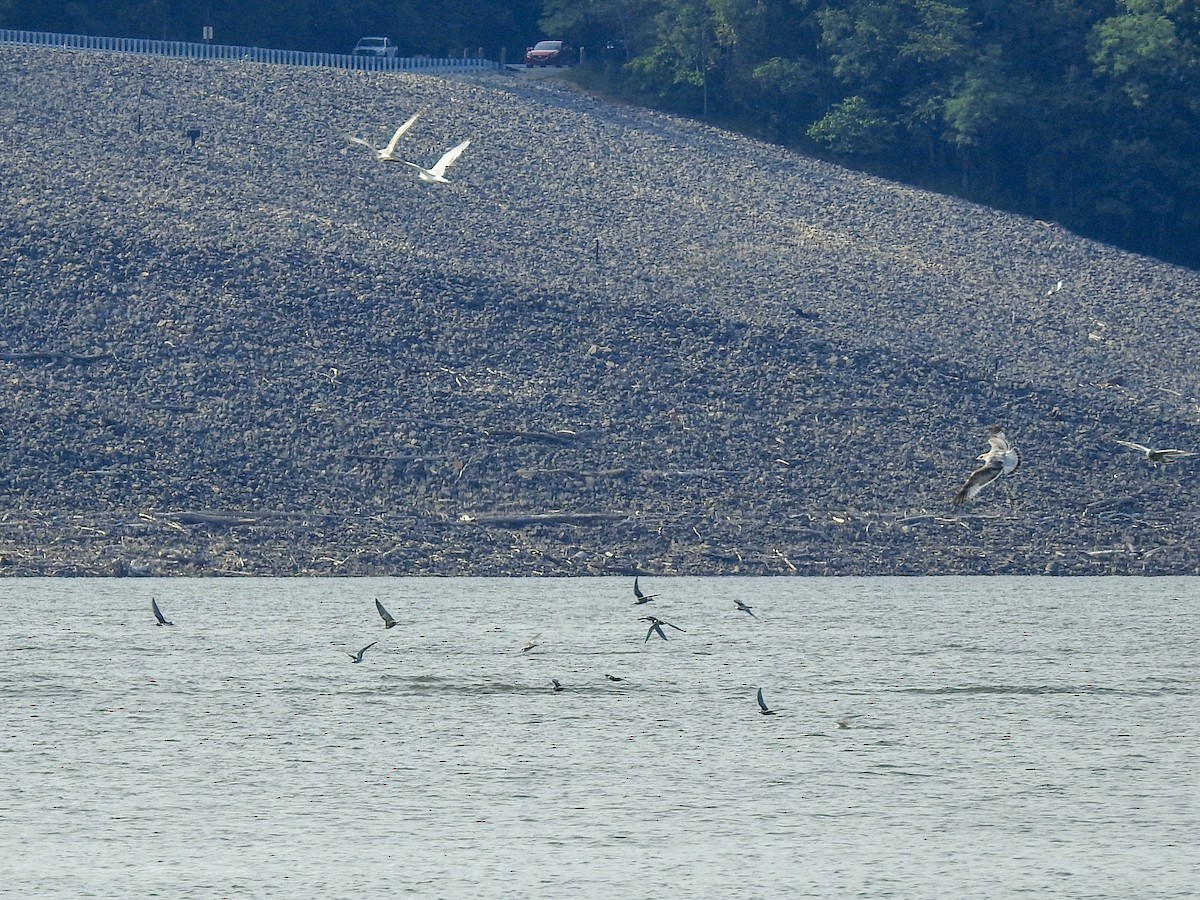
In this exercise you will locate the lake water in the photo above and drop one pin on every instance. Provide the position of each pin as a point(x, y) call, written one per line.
point(1011, 737)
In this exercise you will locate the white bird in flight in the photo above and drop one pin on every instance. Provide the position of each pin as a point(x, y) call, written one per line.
point(1001, 459)
point(388, 153)
point(531, 643)
point(436, 174)
point(1164, 455)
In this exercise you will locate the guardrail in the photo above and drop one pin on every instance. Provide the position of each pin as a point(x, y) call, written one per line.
point(187, 50)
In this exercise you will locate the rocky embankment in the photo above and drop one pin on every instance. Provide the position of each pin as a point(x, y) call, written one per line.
point(235, 343)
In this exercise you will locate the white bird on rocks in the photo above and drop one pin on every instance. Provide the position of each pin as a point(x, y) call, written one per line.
point(1150, 454)
point(1001, 459)
point(388, 153)
point(436, 174)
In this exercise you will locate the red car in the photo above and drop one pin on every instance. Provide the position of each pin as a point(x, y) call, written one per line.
point(548, 53)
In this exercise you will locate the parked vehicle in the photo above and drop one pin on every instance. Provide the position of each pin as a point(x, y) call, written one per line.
point(549, 53)
point(374, 46)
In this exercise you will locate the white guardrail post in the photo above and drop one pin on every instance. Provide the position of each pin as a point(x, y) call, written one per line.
point(270, 56)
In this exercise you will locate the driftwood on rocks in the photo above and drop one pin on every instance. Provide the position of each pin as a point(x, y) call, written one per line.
point(548, 437)
point(521, 520)
point(58, 356)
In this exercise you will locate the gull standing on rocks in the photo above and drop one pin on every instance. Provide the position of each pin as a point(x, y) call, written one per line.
point(388, 621)
point(656, 627)
point(436, 174)
point(1151, 455)
point(762, 705)
point(1001, 459)
point(638, 597)
point(357, 657)
point(388, 153)
point(158, 613)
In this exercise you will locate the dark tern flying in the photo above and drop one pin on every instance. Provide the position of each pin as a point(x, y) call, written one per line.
point(656, 626)
point(762, 705)
point(742, 607)
point(388, 621)
point(357, 657)
point(158, 613)
point(638, 596)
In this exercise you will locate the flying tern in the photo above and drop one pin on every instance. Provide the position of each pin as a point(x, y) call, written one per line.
point(158, 613)
point(388, 621)
point(357, 657)
point(436, 174)
point(388, 153)
point(656, 627)
point(638, 596)
point(762, 705)
point(1149, 453)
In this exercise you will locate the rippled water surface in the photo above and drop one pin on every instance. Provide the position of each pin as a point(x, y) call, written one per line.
point(1009, 737)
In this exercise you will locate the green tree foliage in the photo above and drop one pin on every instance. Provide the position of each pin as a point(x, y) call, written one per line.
point(1085, 111)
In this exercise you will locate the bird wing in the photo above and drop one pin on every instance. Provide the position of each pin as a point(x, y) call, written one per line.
point(157, 612)
point(676, 627)
point(762, 704)
point(978, 480)
point(1010, 461)
point(359, 140)
point(391, 147)
point(368, 647)
point(999, 444)
point(387, 616)
point(1138, 447)
point(421, 169)
point(439, 168)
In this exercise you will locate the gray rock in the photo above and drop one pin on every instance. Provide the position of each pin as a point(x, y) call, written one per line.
point(617, 342)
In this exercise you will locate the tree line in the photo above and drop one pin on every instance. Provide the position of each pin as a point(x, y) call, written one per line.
point(1086, 112)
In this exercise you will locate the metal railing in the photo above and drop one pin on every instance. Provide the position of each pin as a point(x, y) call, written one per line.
point(188, 50)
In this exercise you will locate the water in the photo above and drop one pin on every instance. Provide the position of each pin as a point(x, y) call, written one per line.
point(1014, 736)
